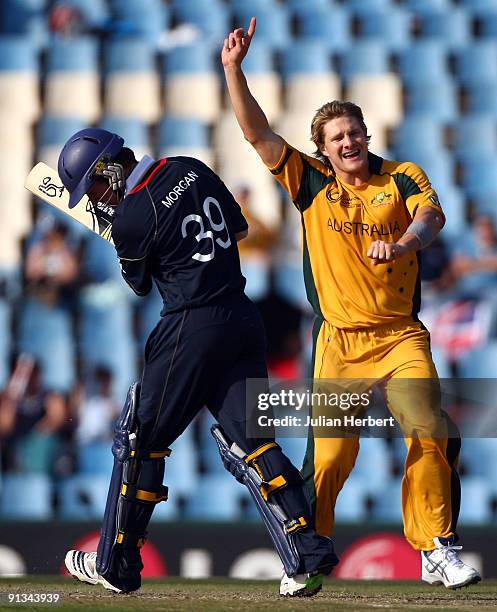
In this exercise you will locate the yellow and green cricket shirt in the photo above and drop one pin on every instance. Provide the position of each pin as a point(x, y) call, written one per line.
point(340, 221)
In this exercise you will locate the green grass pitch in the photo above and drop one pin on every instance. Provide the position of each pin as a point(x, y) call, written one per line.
point(219, 595)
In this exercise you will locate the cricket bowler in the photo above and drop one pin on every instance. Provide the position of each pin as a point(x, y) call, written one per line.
point(364, 221)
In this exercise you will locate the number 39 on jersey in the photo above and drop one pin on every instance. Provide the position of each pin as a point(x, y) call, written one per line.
point(197, 226)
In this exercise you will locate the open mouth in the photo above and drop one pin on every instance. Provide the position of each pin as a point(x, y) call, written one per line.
point(352, 155)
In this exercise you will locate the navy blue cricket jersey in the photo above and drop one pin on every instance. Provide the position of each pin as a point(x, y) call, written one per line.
point(177, 227)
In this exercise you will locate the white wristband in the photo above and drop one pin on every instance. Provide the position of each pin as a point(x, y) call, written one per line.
point(423, 232)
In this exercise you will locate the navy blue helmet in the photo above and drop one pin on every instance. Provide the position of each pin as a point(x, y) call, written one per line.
point(79, 158)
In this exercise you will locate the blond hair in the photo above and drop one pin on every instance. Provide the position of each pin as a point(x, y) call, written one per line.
point(332, 110)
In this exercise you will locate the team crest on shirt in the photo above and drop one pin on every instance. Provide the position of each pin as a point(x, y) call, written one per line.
point(381, 199)
point(344, 199)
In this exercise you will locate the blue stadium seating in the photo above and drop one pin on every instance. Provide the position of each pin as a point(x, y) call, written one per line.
point(487, 21)
point(255, 5)
point(95, 458)
point(148, 18)
point(217, 497)
point(483, 201)
point(54, 131)
point(475, 5)
point(95, 12)
point(397, 450)
point(211, 17)
point(106, 332)
point(454, 203)
point(189, 59)
point(475, 501)
point(479, 459)
point(351, 502)
point(475, 131)
point(18, 53)
point(424, 61)
point(171, 509)
point(451, 27)
point(41, 327)
point(359, 5)
point(390, 26)
point(482, 97)
point(372, 451)
point(182, 132)
point(476, 63)
point(26, 497)
point(364, 57)
point(273, 21)
point(478, 172)
point(208, 448)
point(331, 26)
point(192, 81)
point(387, 501)
point(294, 449)
point(298, 5)
point(26, 17)
point(480, 362)
point(181, 467)
point(416, 131)
point(437, 99)
point(439, 358)
point(426, 5)
point(72, 54)
point(256, 273)
point(132, 83)
point(134, 131)
point(100, 260)
point(289, 283)
point(309, 57)
point(260, 60)
point(82, 498)
point(130, 54)
point(438, 165)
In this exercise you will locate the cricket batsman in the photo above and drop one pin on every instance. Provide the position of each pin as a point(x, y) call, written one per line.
point(365, 220)
point(176, 224)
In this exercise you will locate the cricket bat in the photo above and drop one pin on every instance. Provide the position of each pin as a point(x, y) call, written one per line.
point(44, 182)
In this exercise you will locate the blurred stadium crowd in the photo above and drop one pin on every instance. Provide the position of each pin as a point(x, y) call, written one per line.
point(425, 74)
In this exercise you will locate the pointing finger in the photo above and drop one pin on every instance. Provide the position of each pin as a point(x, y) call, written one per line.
point(251, 28)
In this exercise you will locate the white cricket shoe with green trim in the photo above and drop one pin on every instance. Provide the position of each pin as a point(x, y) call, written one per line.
point(301, 585)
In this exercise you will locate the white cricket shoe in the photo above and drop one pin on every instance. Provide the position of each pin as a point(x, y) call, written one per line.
point(301, 585)
point(82, 565)
point(443, 566)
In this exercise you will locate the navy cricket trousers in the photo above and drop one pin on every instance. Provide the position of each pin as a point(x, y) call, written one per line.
point(201, 357)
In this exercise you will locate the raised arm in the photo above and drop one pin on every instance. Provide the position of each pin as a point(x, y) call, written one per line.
point(249, 114)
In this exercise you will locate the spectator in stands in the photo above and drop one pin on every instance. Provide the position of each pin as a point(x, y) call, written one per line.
point(31, 418)
point(51, 266)
point(255, 250)
point(66, 20)
point(96, 407)
point(475, 265)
